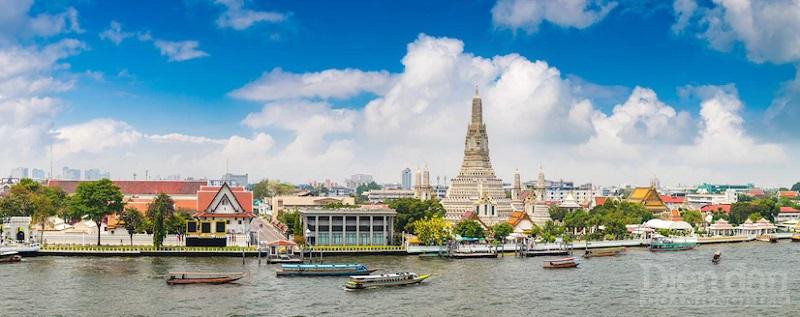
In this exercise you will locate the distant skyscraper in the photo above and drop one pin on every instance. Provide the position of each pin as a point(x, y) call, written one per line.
point(37, 174)
point(407, 178)
point(91, 174)
point(233, 179)
point(19, 172)
point(358, 179)
point(70, 173)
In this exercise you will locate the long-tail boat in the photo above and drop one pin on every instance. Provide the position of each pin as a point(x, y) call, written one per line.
point(767, 238)
point(563, 263)
point(591, 253)
point(323, 270)
point(10, 257)
point(796, 237)
point(178, 278)
point(384, 280)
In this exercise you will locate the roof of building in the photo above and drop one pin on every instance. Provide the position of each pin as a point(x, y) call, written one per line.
point(469, 214)
point(787, 194)
point(517, 217)
point(207, 195)
point(310, 200)
point(788, 210)
point(725, 208)
point(667, 199)
point(138, 187)
point(647, 196)
point(756, 192)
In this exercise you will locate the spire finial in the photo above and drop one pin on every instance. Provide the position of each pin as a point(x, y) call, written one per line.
point(477, 94)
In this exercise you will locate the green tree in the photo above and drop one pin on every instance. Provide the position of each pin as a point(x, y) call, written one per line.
point(433, 231)
point(292, 221)
point(410, 210)
point(469, 228)
point(96, 200)
point(47, 202)
point(693, 217)
point(754, 217)
point(557, 213)
point(796, 187)
point(740, 211)
point(161, 209)
point(18, 201)
point(339, 205)
point(271, 188)
point(132, 220)
point(501, 230)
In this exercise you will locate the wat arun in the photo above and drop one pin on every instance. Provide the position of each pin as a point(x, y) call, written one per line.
point(476, 188)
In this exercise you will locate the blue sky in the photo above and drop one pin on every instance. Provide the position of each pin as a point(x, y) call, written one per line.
point(601, 53)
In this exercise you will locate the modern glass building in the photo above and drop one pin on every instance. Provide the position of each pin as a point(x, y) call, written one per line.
point(348, 226)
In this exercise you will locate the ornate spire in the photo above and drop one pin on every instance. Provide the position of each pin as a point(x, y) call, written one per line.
point(477, 95)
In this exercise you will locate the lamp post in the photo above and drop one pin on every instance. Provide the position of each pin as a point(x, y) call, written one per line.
point(310, 247)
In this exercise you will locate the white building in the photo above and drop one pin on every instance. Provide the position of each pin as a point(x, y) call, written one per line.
point(383, 195)
point(697, 201)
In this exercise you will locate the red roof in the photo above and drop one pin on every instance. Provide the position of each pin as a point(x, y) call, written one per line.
point(206, 195)
point(756, 192)
point(667, 199)
point(787, 194)
point(726, 208)
point(139, 187)
point(789, 210)
point(599, 200)
point(223, 215)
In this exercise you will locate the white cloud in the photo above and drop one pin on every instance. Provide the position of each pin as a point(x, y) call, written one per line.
point(238, 18)
point(529, 14)
point(684, 10)
point(332, 83)
point(769, 30)
point(92, 137)
point(178, 51)
point(16, 23)
point(114, 33)
point(51, 24)
point(178, 137)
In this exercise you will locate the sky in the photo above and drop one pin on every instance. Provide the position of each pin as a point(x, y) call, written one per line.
point(609, 92)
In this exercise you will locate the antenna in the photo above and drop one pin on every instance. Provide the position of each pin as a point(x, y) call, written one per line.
point(51, 159)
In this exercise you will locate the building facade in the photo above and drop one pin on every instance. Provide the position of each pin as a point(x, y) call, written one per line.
point(383, 195)
point(406, 177)
point(348, 226)
point(476, 179)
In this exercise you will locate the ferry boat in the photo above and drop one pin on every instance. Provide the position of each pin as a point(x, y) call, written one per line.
point(603, 252)
point(672, 244)
point(563, 263)
point(796, 237)
point(179, 278)
point(767, 238)
point(384, 280)
point(10, 257)
point(323, 270)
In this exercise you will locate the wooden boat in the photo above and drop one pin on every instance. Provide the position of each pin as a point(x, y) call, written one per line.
point(664, 244)
point(473, 255)
point(767, 238)
point(323, 270)
point(796, 238)
point(717, 257)
point(384, 280)
point(283, 258)
point(178, 278)
point(603, 252)
point(562, 263)
point(10, 257)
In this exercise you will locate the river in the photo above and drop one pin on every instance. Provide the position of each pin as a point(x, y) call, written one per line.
point(753, 279)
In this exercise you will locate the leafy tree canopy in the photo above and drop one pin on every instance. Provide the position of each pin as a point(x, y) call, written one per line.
point(412, 209)
point(469, 228)
point(433, 230)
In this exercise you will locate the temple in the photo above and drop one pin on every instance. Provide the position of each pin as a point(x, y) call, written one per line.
point(476, 189)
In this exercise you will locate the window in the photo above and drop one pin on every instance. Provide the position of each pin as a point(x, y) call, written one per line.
point(220, 227)
point(240, 222)
point(205, 227)
point(191, 226)
point(227, 221)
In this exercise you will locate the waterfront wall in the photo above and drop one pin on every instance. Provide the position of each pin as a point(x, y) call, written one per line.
point(119, 239)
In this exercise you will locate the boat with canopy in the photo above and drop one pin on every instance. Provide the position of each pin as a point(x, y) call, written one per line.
point(384, 280)
point(323, 270)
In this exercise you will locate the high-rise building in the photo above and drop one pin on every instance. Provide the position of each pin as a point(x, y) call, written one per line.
point(407, 178)
point(476, 188)
point(235, 180)
point(91, 174)
point(358, 180)
point(19, 172)
point(70, 173)
point(37, 174)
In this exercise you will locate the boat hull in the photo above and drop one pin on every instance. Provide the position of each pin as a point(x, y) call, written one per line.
point(11, 259)
point(351, 285)
point(324, 273)
point(203, 280)
point(602, 253)
point(796, 238)
point(674, 246)
point(473, 255)
point(567, 265)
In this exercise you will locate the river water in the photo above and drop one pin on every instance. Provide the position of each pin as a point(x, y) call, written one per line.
point(753, 279)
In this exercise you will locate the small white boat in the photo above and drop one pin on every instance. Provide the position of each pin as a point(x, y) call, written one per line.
point(384, 280)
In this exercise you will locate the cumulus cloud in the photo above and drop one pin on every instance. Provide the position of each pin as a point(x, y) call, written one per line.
point(114, 33)
point(238, 18)
point(16, 22)
point(529, 14)
point(178, 51)
point(332, 83)
point(768, 30)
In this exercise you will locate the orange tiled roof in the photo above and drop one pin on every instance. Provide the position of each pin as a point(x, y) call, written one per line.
point(139, 187)
point(788, 210)
point(516, 217)
point(726, 208)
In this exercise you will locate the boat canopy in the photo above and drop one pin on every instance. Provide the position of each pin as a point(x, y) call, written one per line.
point(667, 224)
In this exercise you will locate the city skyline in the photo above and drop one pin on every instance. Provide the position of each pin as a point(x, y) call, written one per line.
point(686, 102)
